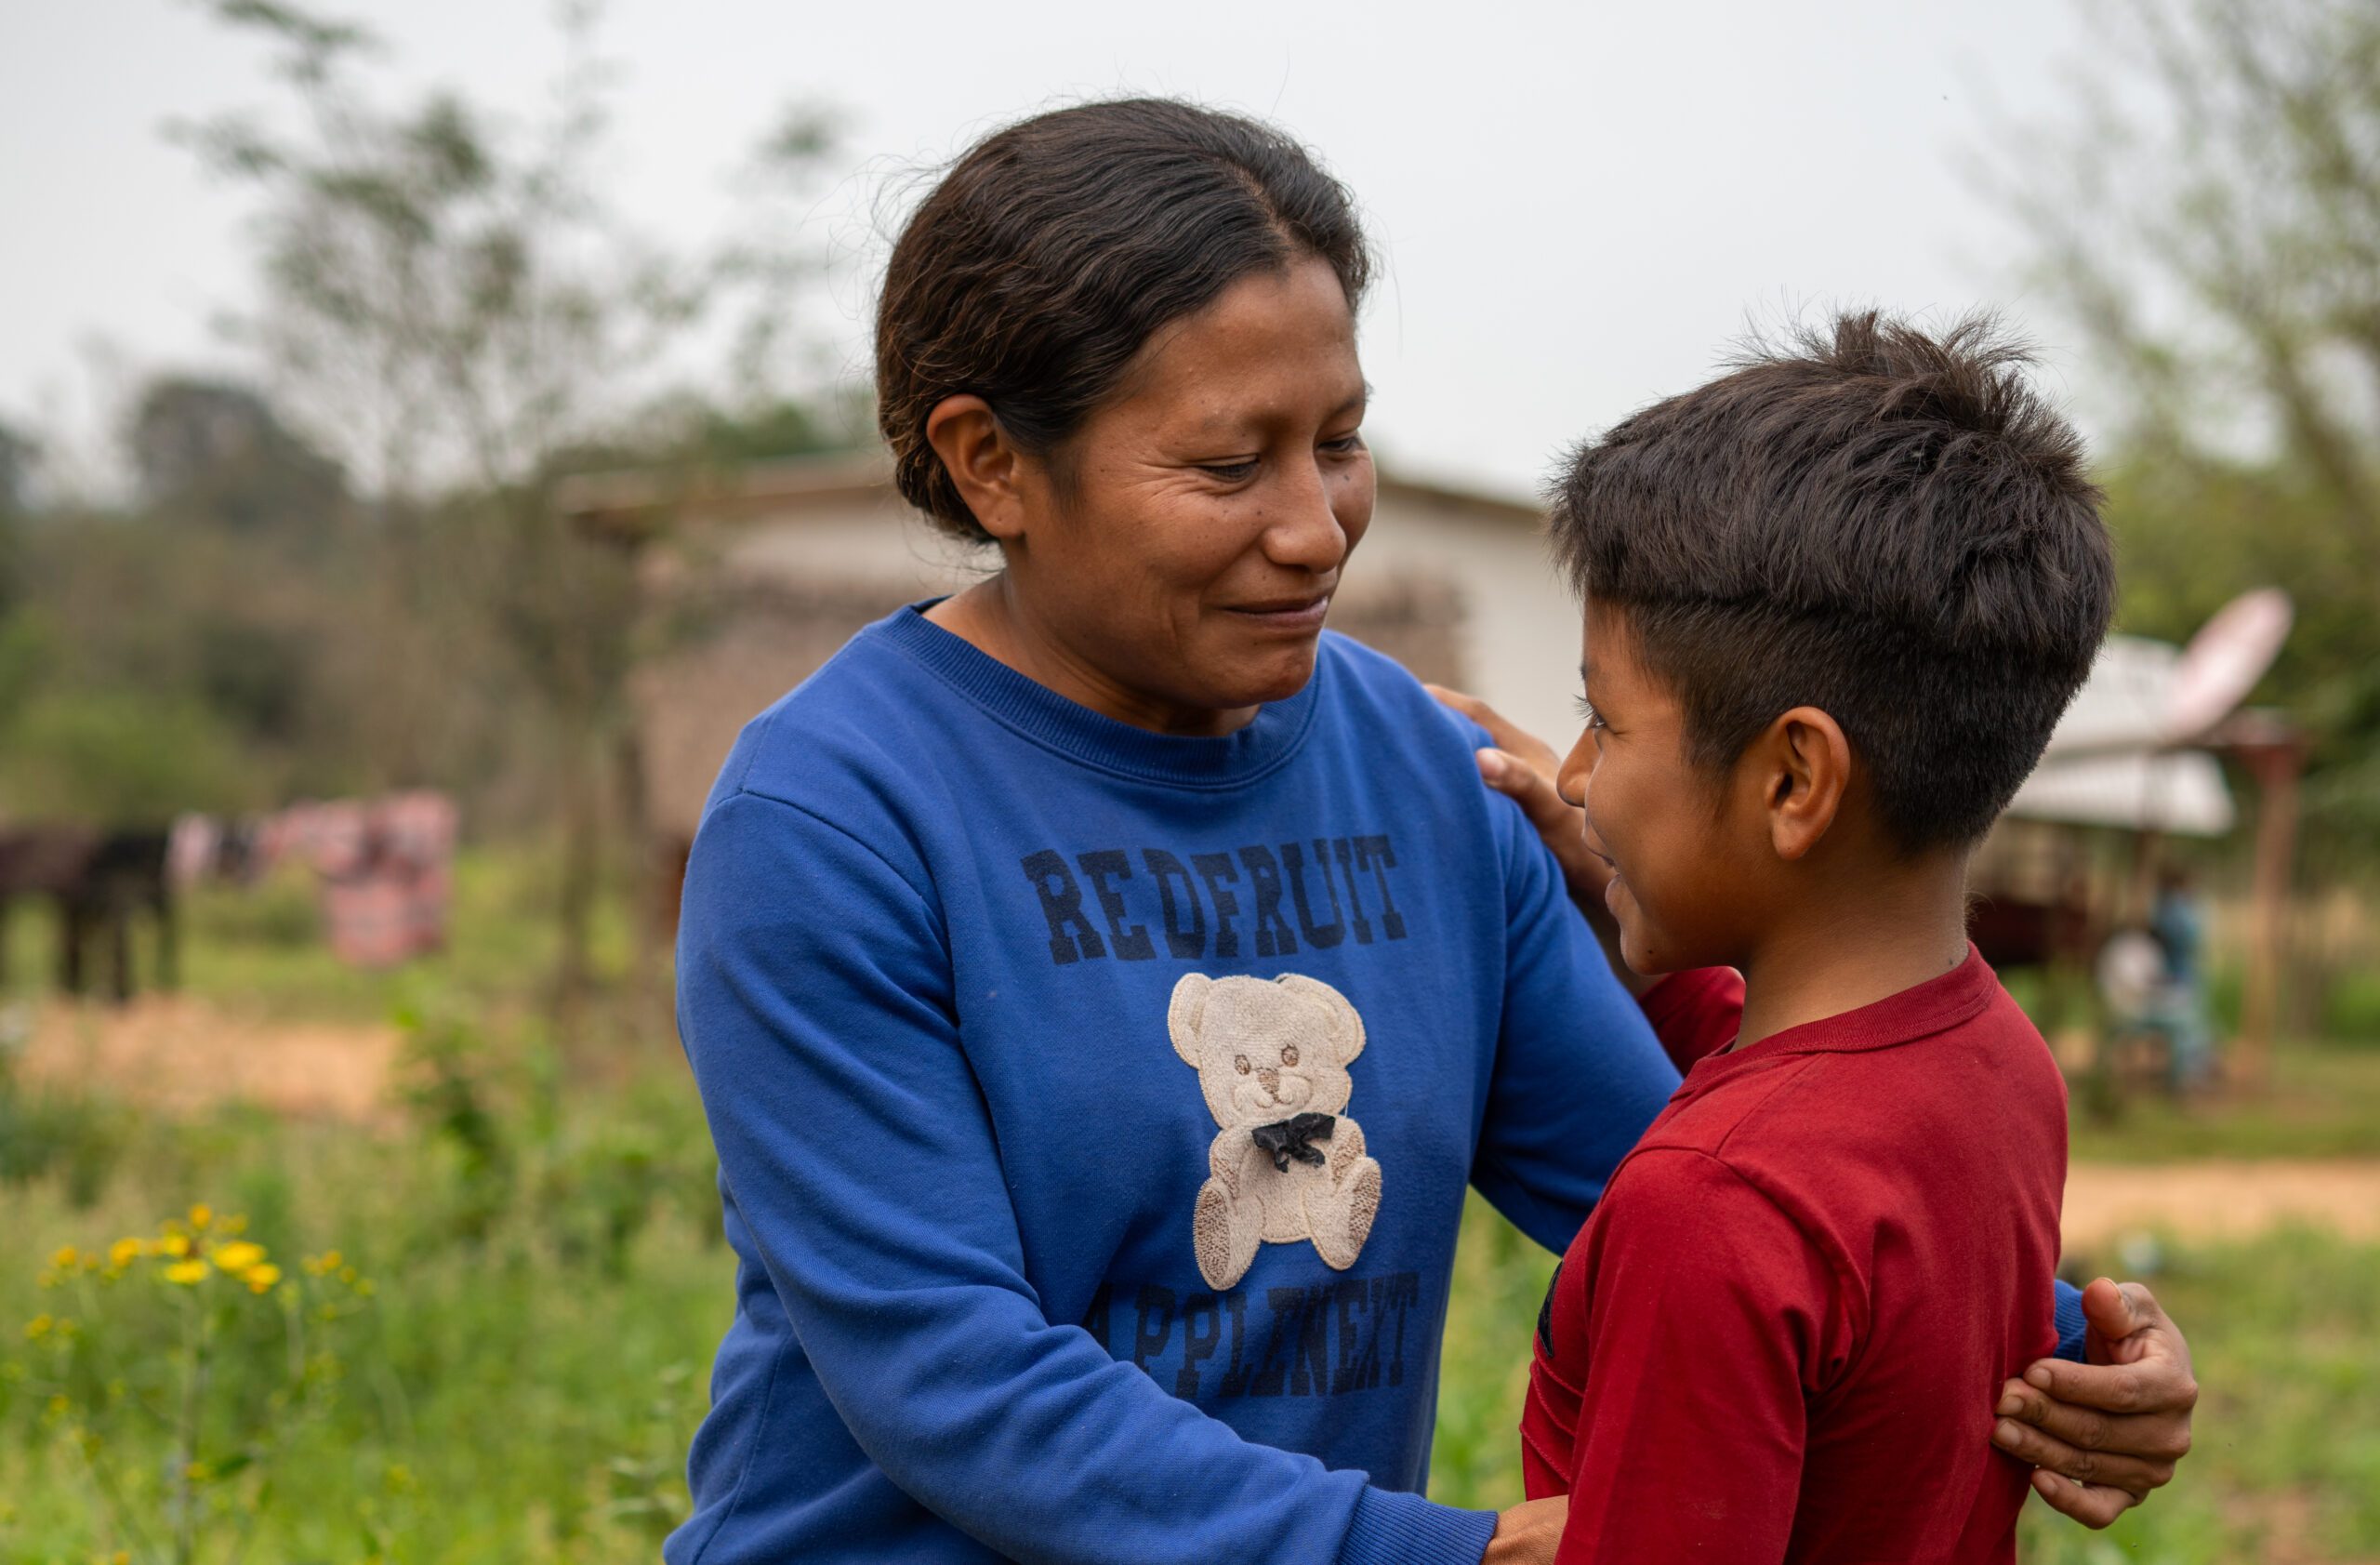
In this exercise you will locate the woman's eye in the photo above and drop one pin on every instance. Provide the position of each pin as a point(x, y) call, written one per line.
point(1229, 472)
point(1345, 445)
point(1288, 1053)
point(1239, 1063)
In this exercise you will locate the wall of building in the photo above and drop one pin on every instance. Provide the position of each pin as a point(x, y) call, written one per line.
point(1516, 638)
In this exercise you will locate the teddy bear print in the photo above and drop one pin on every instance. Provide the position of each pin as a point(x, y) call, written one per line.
point(1287, 1164)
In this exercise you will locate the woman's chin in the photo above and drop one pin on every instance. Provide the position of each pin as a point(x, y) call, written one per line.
point(1275, 676)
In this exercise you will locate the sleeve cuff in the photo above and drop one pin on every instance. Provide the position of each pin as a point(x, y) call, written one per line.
point(2071, 1326)
point(1391, 1528)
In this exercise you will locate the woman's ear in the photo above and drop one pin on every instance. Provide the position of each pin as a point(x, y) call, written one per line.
point(1806, 766)
point(983, 464)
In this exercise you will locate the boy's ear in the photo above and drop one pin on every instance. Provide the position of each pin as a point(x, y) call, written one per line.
point(1804, 771)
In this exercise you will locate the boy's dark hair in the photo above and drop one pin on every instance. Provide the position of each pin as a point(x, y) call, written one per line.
point(1052, 249)
point(1888, 525)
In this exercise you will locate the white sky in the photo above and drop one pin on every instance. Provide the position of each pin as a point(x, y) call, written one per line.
point(1579, 204)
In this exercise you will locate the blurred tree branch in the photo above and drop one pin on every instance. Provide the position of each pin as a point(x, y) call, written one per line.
point(2208, 214)
point(454, 307)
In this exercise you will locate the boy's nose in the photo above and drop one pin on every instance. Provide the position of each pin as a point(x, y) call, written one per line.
point(1270, 1079)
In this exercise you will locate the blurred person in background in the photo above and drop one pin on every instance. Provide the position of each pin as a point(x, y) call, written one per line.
point(2177, 921)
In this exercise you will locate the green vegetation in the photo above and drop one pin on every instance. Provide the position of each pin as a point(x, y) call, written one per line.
point(558, 1302)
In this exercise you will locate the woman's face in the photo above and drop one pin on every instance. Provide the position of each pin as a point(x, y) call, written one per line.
point(1175, 560)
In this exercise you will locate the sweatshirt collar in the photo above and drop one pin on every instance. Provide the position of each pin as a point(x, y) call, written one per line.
point(1274, 734)
point(1918, 1011)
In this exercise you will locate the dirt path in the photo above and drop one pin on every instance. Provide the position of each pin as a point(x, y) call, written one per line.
point(177, 1054)
point(2220, 1197)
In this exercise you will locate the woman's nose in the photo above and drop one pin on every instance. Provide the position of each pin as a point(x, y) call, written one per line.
point(1306, 532)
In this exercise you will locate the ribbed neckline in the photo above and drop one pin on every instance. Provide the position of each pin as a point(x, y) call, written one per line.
point(1917, 1011)
point(1039, 713)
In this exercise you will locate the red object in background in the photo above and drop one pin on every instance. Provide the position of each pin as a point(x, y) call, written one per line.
point(386, 868)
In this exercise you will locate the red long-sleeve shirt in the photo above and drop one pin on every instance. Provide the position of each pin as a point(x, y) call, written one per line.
point(1778, 1337)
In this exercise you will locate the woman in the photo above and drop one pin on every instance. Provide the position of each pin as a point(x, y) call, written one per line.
point(1101, 985)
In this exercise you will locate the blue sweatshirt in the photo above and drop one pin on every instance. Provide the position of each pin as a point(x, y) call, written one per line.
point(1094, 1112)
point(1094, 1109)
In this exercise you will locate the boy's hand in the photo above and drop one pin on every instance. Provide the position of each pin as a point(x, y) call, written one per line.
point(1528, 1533)
point(2105, 1433)
point(1523, 767)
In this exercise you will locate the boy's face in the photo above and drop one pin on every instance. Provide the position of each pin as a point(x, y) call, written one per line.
point(1685, 875)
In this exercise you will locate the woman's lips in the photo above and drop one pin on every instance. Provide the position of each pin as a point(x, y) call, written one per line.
point(1300, 615)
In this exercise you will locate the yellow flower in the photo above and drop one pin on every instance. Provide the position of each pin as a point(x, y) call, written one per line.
point(238, 1256)
point(65, 1260)
point(186, 1272)
point(235, 1224)
point(175, 1245)
point(260, 1278)
point(38, 1327)
point(201, 1214)
point(58, 1404)
point(123, 1252)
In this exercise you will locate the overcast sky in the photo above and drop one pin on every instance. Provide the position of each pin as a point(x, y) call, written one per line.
point(1579, 204)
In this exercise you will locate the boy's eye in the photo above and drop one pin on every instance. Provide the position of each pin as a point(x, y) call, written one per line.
point(1587, 714)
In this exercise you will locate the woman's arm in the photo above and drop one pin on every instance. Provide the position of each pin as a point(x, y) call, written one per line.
point(815, 1002)
point(1578, 1074)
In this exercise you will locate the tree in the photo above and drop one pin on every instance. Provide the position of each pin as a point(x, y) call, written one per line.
point(2210, 220)
point(19, 455)
point(464, 319)
point(218, 452)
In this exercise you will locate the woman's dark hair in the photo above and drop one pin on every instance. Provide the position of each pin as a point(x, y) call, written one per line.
point(1052, 249)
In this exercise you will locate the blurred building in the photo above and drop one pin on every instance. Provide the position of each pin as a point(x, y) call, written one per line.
point(753, 581)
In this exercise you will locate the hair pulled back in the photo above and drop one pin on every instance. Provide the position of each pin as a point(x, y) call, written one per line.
point(1052, 249)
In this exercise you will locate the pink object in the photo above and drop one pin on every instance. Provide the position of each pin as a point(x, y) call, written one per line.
point(2224, 661)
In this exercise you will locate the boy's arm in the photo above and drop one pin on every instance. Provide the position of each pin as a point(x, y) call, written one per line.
point(1578, 1074)
point(1711, 1319)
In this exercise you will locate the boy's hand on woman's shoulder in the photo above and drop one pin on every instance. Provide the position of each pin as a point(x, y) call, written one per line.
point(2104, 1434)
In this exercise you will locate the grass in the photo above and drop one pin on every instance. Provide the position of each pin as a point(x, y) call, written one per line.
point(582, 1368)
point(2323, 1102)
point(259, 949)
point(551, 1285)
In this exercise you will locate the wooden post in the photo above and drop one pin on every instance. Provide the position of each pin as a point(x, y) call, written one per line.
point(2273, 753)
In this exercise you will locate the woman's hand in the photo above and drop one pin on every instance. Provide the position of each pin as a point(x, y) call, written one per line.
point(2104, 1434)
point(1523, 767)
point(1527, 1533)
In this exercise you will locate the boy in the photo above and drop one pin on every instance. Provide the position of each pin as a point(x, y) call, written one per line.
point(1835, 602)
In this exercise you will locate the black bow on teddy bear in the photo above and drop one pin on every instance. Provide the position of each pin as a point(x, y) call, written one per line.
point(1292, 1138)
